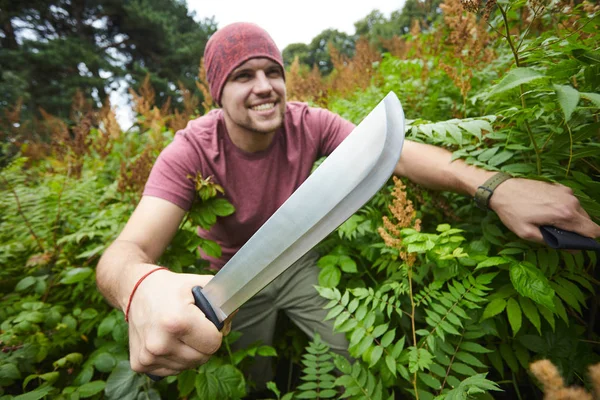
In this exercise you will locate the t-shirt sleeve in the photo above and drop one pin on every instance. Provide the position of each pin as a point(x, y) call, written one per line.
point(170, 176)
point(334, 129)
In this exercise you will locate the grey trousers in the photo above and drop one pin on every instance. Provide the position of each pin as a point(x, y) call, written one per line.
point(292, 292)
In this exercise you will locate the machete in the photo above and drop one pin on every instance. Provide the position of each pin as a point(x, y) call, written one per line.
point(343, 183)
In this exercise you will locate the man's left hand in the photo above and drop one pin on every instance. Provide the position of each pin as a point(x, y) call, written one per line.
point(524, 205)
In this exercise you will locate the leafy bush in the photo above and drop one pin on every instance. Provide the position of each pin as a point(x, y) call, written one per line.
point(437, 298)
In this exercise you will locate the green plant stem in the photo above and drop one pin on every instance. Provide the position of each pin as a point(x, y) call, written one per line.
point(570, 148)
point(62, 189)
point(22, 214)
point(451, 361)
point(508, 38)
point(412, 322)
point(535, 14)
point(523, 104)
point(514, 381)
point(371, 276)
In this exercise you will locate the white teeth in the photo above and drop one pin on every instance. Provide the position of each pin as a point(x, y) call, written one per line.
point(263, 107)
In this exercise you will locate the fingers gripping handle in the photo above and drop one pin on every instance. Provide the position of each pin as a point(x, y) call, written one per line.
point(203, 304)
point(561, 239)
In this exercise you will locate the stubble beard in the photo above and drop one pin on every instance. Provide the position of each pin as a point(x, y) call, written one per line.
point(254, 127)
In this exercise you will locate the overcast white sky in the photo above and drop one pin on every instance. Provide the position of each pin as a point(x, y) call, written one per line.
point(287, 22)
point(293, 21)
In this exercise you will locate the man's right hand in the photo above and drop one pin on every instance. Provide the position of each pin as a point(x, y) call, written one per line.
point(167, 332)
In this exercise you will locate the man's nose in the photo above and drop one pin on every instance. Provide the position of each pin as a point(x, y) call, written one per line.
point(262, 84)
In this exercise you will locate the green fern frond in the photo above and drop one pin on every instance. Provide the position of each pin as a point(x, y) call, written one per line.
point(319, 383)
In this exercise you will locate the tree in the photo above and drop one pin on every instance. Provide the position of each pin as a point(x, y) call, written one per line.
point(319, 48)
point(51, 50)
point(294, 50)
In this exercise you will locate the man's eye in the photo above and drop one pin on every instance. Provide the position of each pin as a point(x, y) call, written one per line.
point(242, 76)
point(274, 73)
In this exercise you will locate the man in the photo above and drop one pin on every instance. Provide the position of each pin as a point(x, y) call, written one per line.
point(260, 148)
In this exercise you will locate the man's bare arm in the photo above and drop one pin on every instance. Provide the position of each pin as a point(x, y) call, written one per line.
point(522, 204)
point(167, 332)
point(147, 234)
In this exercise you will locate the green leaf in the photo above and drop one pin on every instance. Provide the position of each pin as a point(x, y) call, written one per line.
point(9, 371)
point(501, 158)
point(375, 355)
point(515, 318)
point(418, 359)
point(266, 351)
point(25, 283)
point(211, 248)
point(75, 275)
point(107, 325)
point(531, 313)
point(463, 369)
point(495, 307)
point(208, 386)
point(516, 77)
point(530, 282)
point(121, 382)
point(91, 388)
point(330, 276)
point(474, 347)
point(430, 380)
point(568, 98)
point(347, 264)
point(390, 362)
point(593, 97)
point(387, 339)
point(492, 261)
point(36, 394)
point(185, 382)
point(221, 207)
point(508, 355)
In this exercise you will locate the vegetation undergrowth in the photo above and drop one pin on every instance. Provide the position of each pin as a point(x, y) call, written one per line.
point(438, 299)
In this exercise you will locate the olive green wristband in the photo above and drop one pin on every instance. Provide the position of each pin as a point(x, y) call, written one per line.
point(484, 192)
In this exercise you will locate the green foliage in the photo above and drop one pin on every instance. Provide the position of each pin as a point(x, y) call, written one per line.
point(51, 50)
point(462, 318)
point(318, 382)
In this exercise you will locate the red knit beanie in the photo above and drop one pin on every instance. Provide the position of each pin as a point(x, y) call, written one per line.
point(231, 46)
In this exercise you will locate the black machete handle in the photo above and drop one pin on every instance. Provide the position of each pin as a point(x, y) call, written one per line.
point(561, 239)
point(203, 304)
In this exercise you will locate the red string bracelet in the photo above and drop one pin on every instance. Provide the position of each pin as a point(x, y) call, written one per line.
point(135, 288)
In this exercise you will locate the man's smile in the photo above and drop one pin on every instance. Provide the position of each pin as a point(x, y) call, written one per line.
point(263, 107)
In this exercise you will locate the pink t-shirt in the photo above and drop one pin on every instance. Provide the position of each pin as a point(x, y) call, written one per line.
point(257, 184)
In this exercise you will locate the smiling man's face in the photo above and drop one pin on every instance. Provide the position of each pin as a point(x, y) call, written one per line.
point(253, 97)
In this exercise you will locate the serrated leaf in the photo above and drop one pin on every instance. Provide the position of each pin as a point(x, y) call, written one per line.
point(593, 97)
point(492, 261)
point(495, 307)
point(375, 355)
point(530, 282)
point(500, 158)
point(568, 98)
point(462, 369)
point(515, 317)
point(515, 78)
point(387, 339)
point(430, 380)
point(474, 347)
point(347, 264)
point(531, 313)
point(330, 276)
point(185, 382)
point(390, 362)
